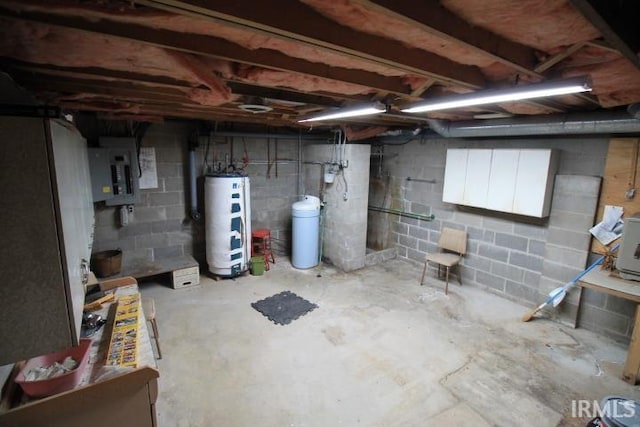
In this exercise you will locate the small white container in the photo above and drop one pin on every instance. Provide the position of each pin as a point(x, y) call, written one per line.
point(329, 177)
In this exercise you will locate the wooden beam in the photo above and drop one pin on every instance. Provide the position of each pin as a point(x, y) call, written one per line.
point(602, 44)
point(420, 90)
point(550, 62)
point(238, 88)
point(302, 24)
point(12, 67)
point(433, 18)
point(215, 47)
point(177, 112)
point(284, 95)
point(618, 23)
point(120, 90)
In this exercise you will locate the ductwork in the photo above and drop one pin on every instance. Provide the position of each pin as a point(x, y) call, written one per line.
point(557, 124)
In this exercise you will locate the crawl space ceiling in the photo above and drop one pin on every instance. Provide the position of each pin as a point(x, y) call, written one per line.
point(274, 62)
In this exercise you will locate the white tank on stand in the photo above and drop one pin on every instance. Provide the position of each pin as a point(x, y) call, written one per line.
point(228, 223)
point(305, 232)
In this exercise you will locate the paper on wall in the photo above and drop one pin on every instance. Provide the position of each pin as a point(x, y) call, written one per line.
point(610, 228)
point(148, 169)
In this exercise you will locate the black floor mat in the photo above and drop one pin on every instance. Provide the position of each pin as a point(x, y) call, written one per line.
point(284, 307)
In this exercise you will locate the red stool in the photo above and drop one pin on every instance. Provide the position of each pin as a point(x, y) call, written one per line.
point(261, 245)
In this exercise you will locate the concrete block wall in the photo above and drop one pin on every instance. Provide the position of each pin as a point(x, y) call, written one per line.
point(518, 257)
point(575, 200)
point(161, 226)
point(345, 229)
point(274, 185)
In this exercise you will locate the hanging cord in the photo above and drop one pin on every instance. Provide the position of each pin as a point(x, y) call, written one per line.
point(138, 131)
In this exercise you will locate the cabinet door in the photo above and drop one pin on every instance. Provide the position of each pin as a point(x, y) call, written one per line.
point(455, 173)
point(34, 315)
point(532, 194)
point(75, 208)
point(476, 185)
point(502, 180)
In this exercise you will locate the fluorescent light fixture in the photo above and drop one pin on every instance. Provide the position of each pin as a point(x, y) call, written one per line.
point(535, 90)
point(342, 113)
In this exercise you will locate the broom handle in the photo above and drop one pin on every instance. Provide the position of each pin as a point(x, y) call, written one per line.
point(566, 287)
point(588, 269)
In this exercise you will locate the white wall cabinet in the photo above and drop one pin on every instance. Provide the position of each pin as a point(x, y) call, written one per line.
point(455, 174)
point(476, 185)
point(504, 167)
point(518, 181)
point(46, 211)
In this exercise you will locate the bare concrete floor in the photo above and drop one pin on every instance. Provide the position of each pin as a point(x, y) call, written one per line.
point(379, 351)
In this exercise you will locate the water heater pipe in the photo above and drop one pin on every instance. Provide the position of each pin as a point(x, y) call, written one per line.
point(195, 215)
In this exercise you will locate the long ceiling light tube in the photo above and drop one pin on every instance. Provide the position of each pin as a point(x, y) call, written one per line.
point(483, 97)
point(342, 113)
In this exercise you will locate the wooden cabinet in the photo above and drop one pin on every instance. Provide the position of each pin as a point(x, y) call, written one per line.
point(46, 214)
point(125, 400)
point(518, 181)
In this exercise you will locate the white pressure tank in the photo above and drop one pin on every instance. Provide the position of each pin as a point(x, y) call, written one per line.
point(305, 232)
point(228, 223)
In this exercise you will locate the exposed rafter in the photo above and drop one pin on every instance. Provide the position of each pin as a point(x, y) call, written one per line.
point(302, 24)
point(618, 23)
point(122, 90)
point(550, 62)
point(239, 88)
point(204, 58)
point(435, 19)
point(217, 48)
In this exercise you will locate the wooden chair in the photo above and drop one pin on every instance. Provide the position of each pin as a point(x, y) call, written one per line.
point(453, 246)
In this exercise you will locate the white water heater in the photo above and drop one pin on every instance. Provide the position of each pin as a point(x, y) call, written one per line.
point(228, 224)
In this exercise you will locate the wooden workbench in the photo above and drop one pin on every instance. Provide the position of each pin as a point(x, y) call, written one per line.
point(125, 399)
point(602, 281)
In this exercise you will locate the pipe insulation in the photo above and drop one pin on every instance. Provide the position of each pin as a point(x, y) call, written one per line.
point(556, 124)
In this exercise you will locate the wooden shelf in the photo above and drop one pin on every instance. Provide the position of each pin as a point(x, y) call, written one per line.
point(142, 269)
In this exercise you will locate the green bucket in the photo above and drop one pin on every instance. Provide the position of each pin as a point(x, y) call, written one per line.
point(257, 265)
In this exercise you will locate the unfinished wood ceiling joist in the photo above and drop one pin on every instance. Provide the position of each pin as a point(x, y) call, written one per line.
point(205, 58)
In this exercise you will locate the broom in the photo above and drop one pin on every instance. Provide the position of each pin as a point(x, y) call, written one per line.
point(557, 295)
